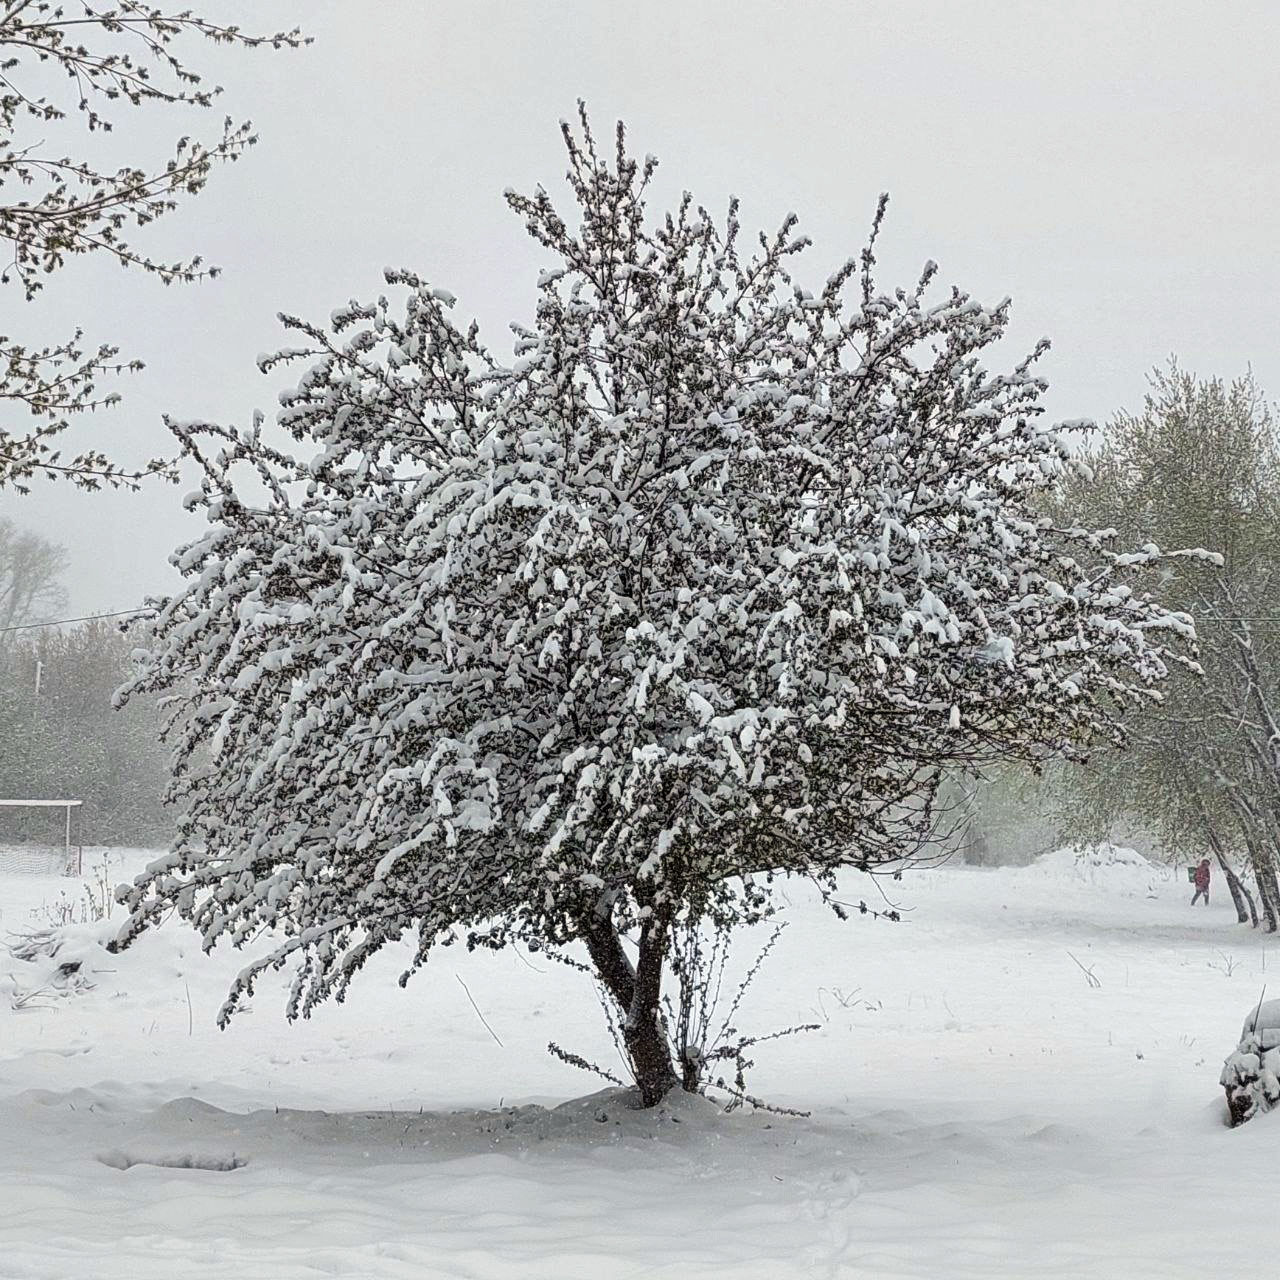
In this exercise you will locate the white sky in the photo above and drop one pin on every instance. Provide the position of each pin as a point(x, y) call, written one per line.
point(1112, 166)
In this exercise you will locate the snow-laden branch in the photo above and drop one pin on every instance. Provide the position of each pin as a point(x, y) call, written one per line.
point(707, 583)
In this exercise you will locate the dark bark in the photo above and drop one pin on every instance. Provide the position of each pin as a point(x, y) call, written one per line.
point(1253, 827)
point(1264, 877)
point(643, 1030)
point(637, 989)
point(611, 962)
point(1253, 906)
point(1237, 890)
point(1268, 889)
point(1272, 889)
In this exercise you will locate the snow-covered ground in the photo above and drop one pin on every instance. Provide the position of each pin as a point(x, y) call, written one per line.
point(980, 1107)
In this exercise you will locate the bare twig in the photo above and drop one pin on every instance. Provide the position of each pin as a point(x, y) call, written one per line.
point(1091, 977)
point(479, 1015)
point(577, 1060)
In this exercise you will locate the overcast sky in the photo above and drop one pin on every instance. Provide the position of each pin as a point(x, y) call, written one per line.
point(1112, 166)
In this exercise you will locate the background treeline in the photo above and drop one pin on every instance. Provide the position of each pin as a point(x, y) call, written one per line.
point(67, 742)
point(1198, 468)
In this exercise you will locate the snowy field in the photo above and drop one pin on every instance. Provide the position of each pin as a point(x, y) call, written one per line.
point(979, 1107)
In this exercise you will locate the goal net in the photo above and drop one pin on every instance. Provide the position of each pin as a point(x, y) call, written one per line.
point(38, 837)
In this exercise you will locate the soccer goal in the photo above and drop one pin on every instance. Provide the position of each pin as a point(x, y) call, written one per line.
point(37, 837)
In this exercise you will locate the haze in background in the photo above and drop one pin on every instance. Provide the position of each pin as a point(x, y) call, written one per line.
point(1113, 168)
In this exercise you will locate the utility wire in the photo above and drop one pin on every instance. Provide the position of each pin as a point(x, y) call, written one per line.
point(62, 622)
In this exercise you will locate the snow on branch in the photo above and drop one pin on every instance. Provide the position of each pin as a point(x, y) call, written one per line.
point(706, 584)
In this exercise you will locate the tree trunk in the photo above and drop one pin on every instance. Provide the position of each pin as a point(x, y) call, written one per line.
point(1253, 827)
point(644, 1031)
point(637, 991)
point(1268, 889)
point(1238, 891)
point(1272, 892)
point(1264, 876)
point(1235, 888)
point(1253, 906)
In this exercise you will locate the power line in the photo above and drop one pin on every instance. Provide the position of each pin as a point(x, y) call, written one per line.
point(62, 622)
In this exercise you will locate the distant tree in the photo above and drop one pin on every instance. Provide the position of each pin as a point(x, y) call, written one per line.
point(56, 204)
point(707, 586)
point(64, 738)
point(1200, 466)
point(30, 579)
point(1000, 817)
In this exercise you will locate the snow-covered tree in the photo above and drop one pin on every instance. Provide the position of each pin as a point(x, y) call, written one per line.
point(30, 579)
point(1200, 465)
point(73, 67)
point(704, 586)
point(62, 737)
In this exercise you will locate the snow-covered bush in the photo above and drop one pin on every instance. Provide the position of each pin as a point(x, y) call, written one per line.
point(707, 584)
point(1251, 1073)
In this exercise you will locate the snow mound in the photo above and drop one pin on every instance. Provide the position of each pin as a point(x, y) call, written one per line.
point(208, 1164)
point(1107, 866)
point(1093, 858)
point(187, 1133)
point(53, 962)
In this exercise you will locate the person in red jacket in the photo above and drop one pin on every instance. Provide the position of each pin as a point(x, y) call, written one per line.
point(1202, 882)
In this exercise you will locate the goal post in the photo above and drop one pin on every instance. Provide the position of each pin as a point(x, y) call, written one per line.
point(57, 855)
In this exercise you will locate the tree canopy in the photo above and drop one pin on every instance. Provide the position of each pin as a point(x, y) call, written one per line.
point(83, 64)
point(1200, 466)
point(30, 579)
point(705, 585)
